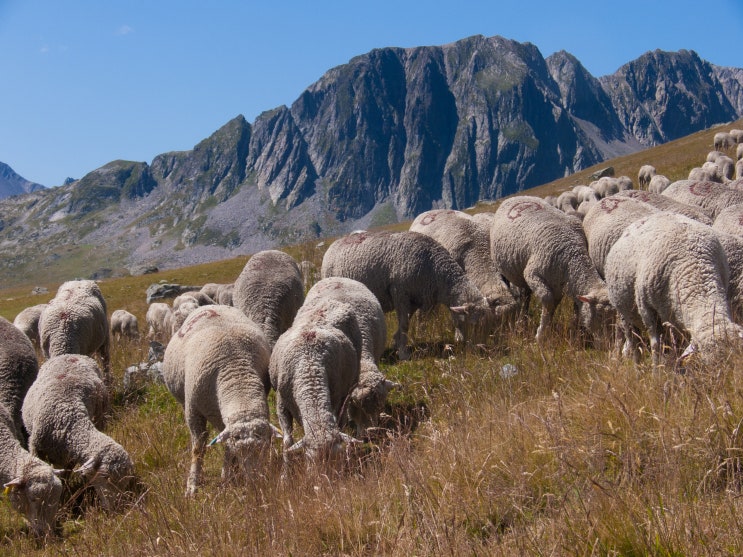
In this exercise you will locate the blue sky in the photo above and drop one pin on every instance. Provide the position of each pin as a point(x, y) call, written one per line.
point(88, 82)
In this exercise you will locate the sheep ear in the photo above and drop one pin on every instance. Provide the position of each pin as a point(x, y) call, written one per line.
point(276, 432)
point(87, 468)
point(221, 438)
point(586, 299)
point(346, 438)
point(460, 310)
point(60, 472)
point(389, 385)
point(298, 446)
point(691, 349)
point(11, 485)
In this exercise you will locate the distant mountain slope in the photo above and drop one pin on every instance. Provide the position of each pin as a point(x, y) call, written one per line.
point(390, 134)
point(13, 184)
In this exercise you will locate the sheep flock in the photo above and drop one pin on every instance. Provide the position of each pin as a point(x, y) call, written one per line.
point(651, 267)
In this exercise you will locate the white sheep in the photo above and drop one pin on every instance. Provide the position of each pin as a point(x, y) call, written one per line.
point(725, 168)
point(216, 367)
point(124, 325)
point(712, 156)
point(739, 152)
point(184, 304)
point(699, 174)
point(28, 322)
point(76, 322)
point(368, 398)
point(468, 242)
point(733, 246)
point(658, 183)
point(18, 370)
point(159, 319)
point(32, 486)
point(645, 174)
point(607, 220)
point(567, 201)
point(541, 249)
point(270, 290)
point(406, 271)
point(723, 141)
point(585, 193)
point(667, 268)
point(64, 412)
point(710, 196)
point(739, 170)
point(314, 368)
point(665, 203)
point(730, 220)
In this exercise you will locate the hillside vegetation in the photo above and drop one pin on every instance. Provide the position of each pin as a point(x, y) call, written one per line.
point(572, 451)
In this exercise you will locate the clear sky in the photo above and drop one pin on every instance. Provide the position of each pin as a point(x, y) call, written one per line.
point(90, 81)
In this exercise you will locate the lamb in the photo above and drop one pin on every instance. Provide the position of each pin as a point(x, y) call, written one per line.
point(32, 485)
point(314, 368)
point(216, 367)
point(28, 322)
point(63, 413)
point(18, 370)
point(270, 290)
point(645, 174)
point(406, 271)
point(368, 398)
point(668, 268)
point(124, 325)
point(710, 196)
point(606, 221)
point(76, 322)
point(539, 248)
point(159, 319)
point(658, 183)
point(468, 242)
point(665, 203)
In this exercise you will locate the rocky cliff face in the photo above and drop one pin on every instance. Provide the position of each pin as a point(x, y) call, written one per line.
point(390, 134)
point(13, 184)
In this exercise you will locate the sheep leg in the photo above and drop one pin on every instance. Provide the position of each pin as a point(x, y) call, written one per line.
point(197, 427)
point(286, 422)
point(403, 310)
point(654, 327)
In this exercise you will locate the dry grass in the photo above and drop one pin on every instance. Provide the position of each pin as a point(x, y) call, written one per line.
point(578, 453)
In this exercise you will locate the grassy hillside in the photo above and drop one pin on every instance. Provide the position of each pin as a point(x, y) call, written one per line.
point(576, 452)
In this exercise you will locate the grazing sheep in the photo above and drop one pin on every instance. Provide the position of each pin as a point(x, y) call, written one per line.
point(667, 268)
point(665, 203)
point(710, 196)
point(468, 242)
point(314, 368)
point(730, 220)
point(712, 156)
point(216, 367)
point(607, 220)
point(63, 413)
point(76, 322)
point(185, 304)
point(406, 271)
point(725, 168)
point(124, 325)
point(270, 290)
point(211, 289)
point(723, 141)
point(698, 174)
point(737, 135)
point(18, 370)
point(537, 247)
point(567, 201)
point(28, 322)
point(224, 294)
point(658, 183)
point(368, 398)
point(32, 486)
point(585, 193)
point(159, 319)
point(644, 175)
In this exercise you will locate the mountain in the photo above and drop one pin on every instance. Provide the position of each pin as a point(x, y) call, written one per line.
point(390, 134)
point(13, 184)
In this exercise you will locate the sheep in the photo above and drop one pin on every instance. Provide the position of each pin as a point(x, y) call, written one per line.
point(566, 201)
point(76, 322)
point(710, 196)
point(730, 220)
point(28, 322)
point(725, 168)
point(18, 370)
point(406, 271)
point(224, 294)
point(186, 303)
point(32, 486)
point(367, 399)
point(732, 244)
point(216, 367)
point(658, 183)
point(486, 217)
point(314, 368)
point(739, 170)
point(723, 141)
point(585, 193)
point(739, 152)
point(667, 268)
point(159, 319)
point(270, 290)
point(645, 174)
point(63, 412)
point(124, 325)
point(737, 135)
point(665, 203)
point(698, 174)
point(606, 221)
point(537, 247)
point(468, 242)
point(712, 156)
